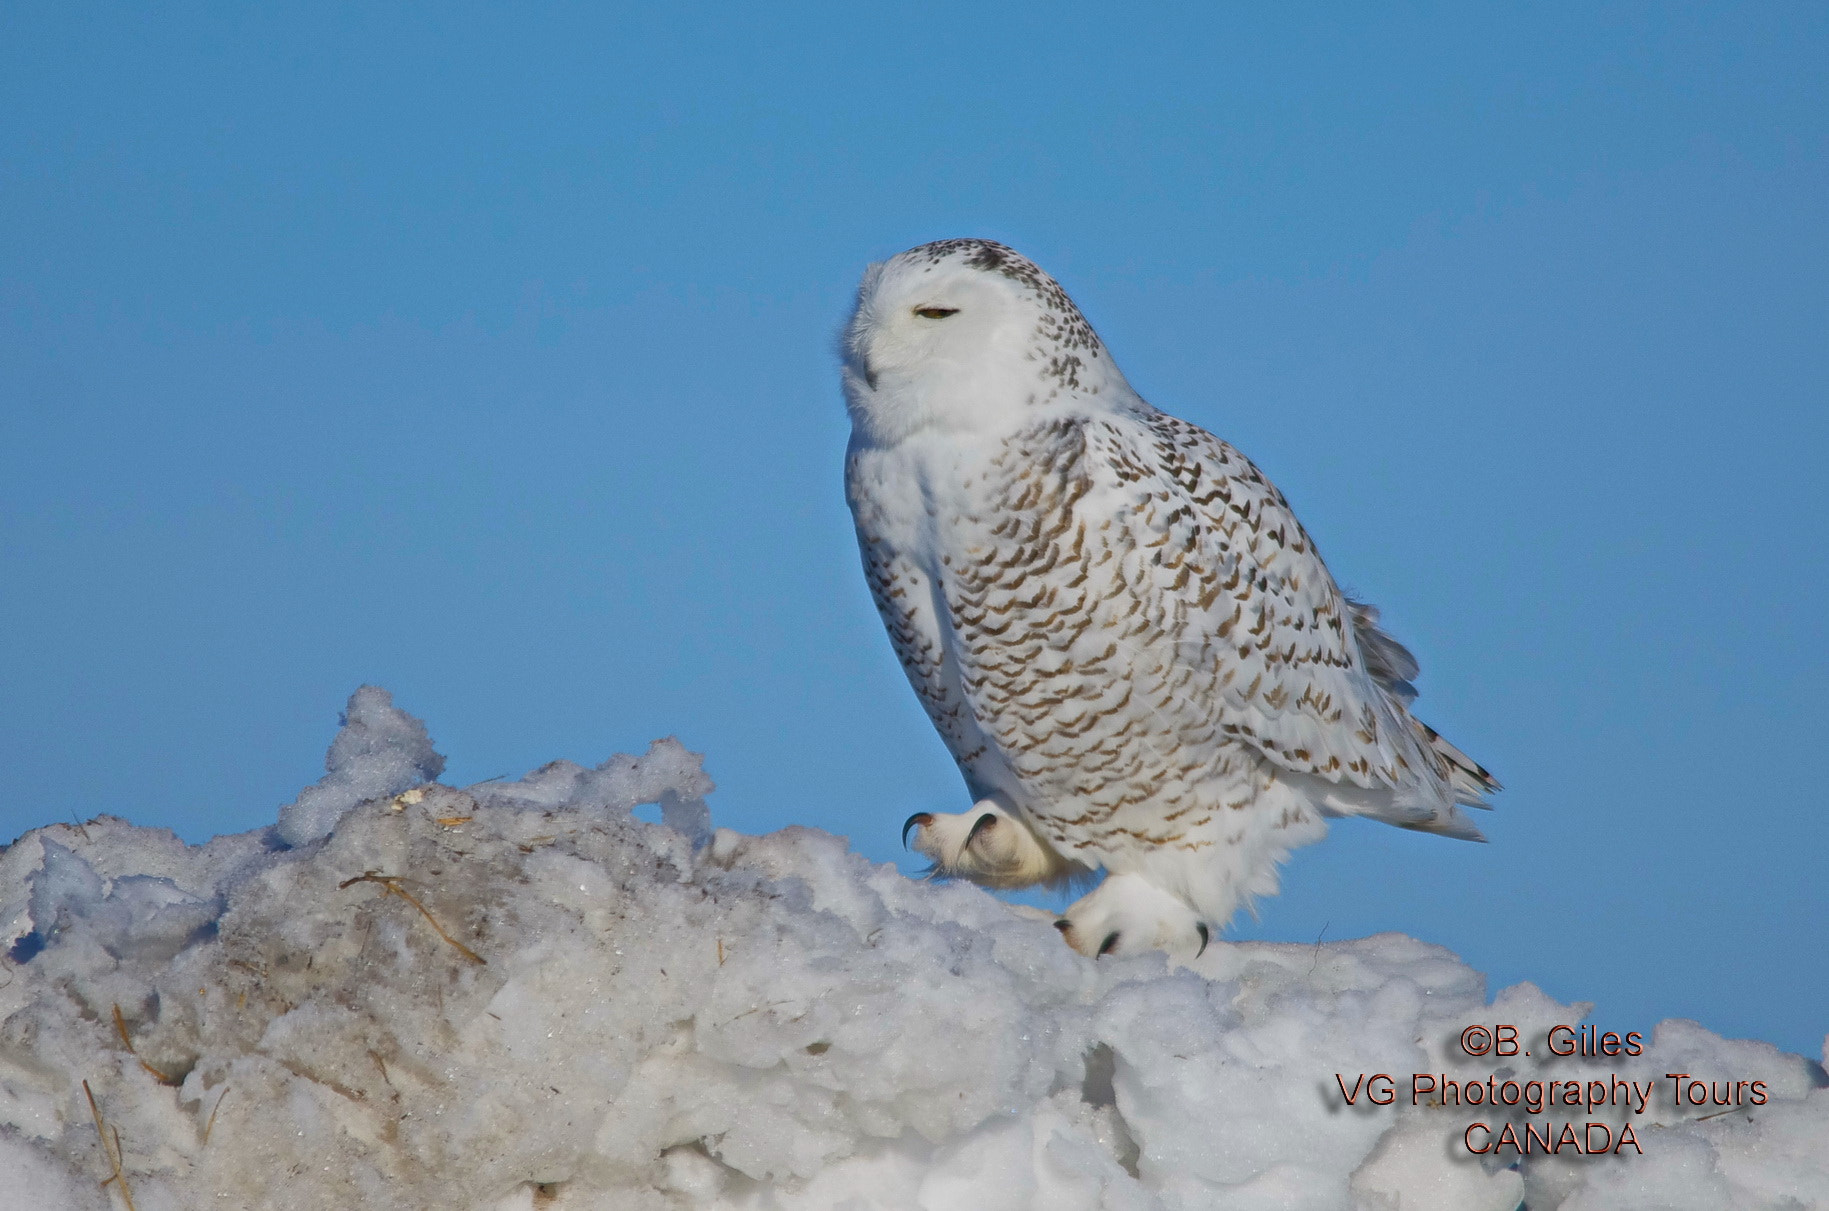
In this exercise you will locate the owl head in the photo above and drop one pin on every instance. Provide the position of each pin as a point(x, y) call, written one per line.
point(967, 335)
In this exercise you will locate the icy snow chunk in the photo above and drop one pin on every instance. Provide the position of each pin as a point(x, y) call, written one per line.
point(667, 774)
point(380, 750)
point(138, 917)
point(64, 890)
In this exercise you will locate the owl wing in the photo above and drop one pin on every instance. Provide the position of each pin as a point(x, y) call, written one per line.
point(1293, 668)
point(905, 597)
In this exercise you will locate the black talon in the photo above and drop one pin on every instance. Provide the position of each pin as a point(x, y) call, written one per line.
point(1110, 944)
point(1204, 939)
point(919, 819)
point(1064, 925)
point(979, 825)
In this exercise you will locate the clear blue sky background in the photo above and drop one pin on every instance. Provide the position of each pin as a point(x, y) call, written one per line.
point(484, 353)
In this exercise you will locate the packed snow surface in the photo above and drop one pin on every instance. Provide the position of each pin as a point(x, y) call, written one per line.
point(517, 995)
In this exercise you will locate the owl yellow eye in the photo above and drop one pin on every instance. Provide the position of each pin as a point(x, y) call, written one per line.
point(935, 313)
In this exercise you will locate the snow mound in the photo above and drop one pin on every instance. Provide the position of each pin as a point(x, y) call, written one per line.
point(517, 995)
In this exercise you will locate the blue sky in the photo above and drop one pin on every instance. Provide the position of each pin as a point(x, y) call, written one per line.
point(485, 354)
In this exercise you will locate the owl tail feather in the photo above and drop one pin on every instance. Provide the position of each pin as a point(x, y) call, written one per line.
point(1472, 782)
point(1452, 823)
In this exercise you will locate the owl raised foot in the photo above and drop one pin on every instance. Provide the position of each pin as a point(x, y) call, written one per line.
point(986, 845)
point(1128, 915)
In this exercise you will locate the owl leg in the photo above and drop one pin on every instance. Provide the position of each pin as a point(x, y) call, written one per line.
point(1127, 914)
point(986, 845)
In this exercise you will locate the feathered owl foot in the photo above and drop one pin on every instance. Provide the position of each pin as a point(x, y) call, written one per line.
point(986, 845)
point(1127, 915)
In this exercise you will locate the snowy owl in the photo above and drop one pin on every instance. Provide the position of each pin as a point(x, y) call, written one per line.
point(1125, 638)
